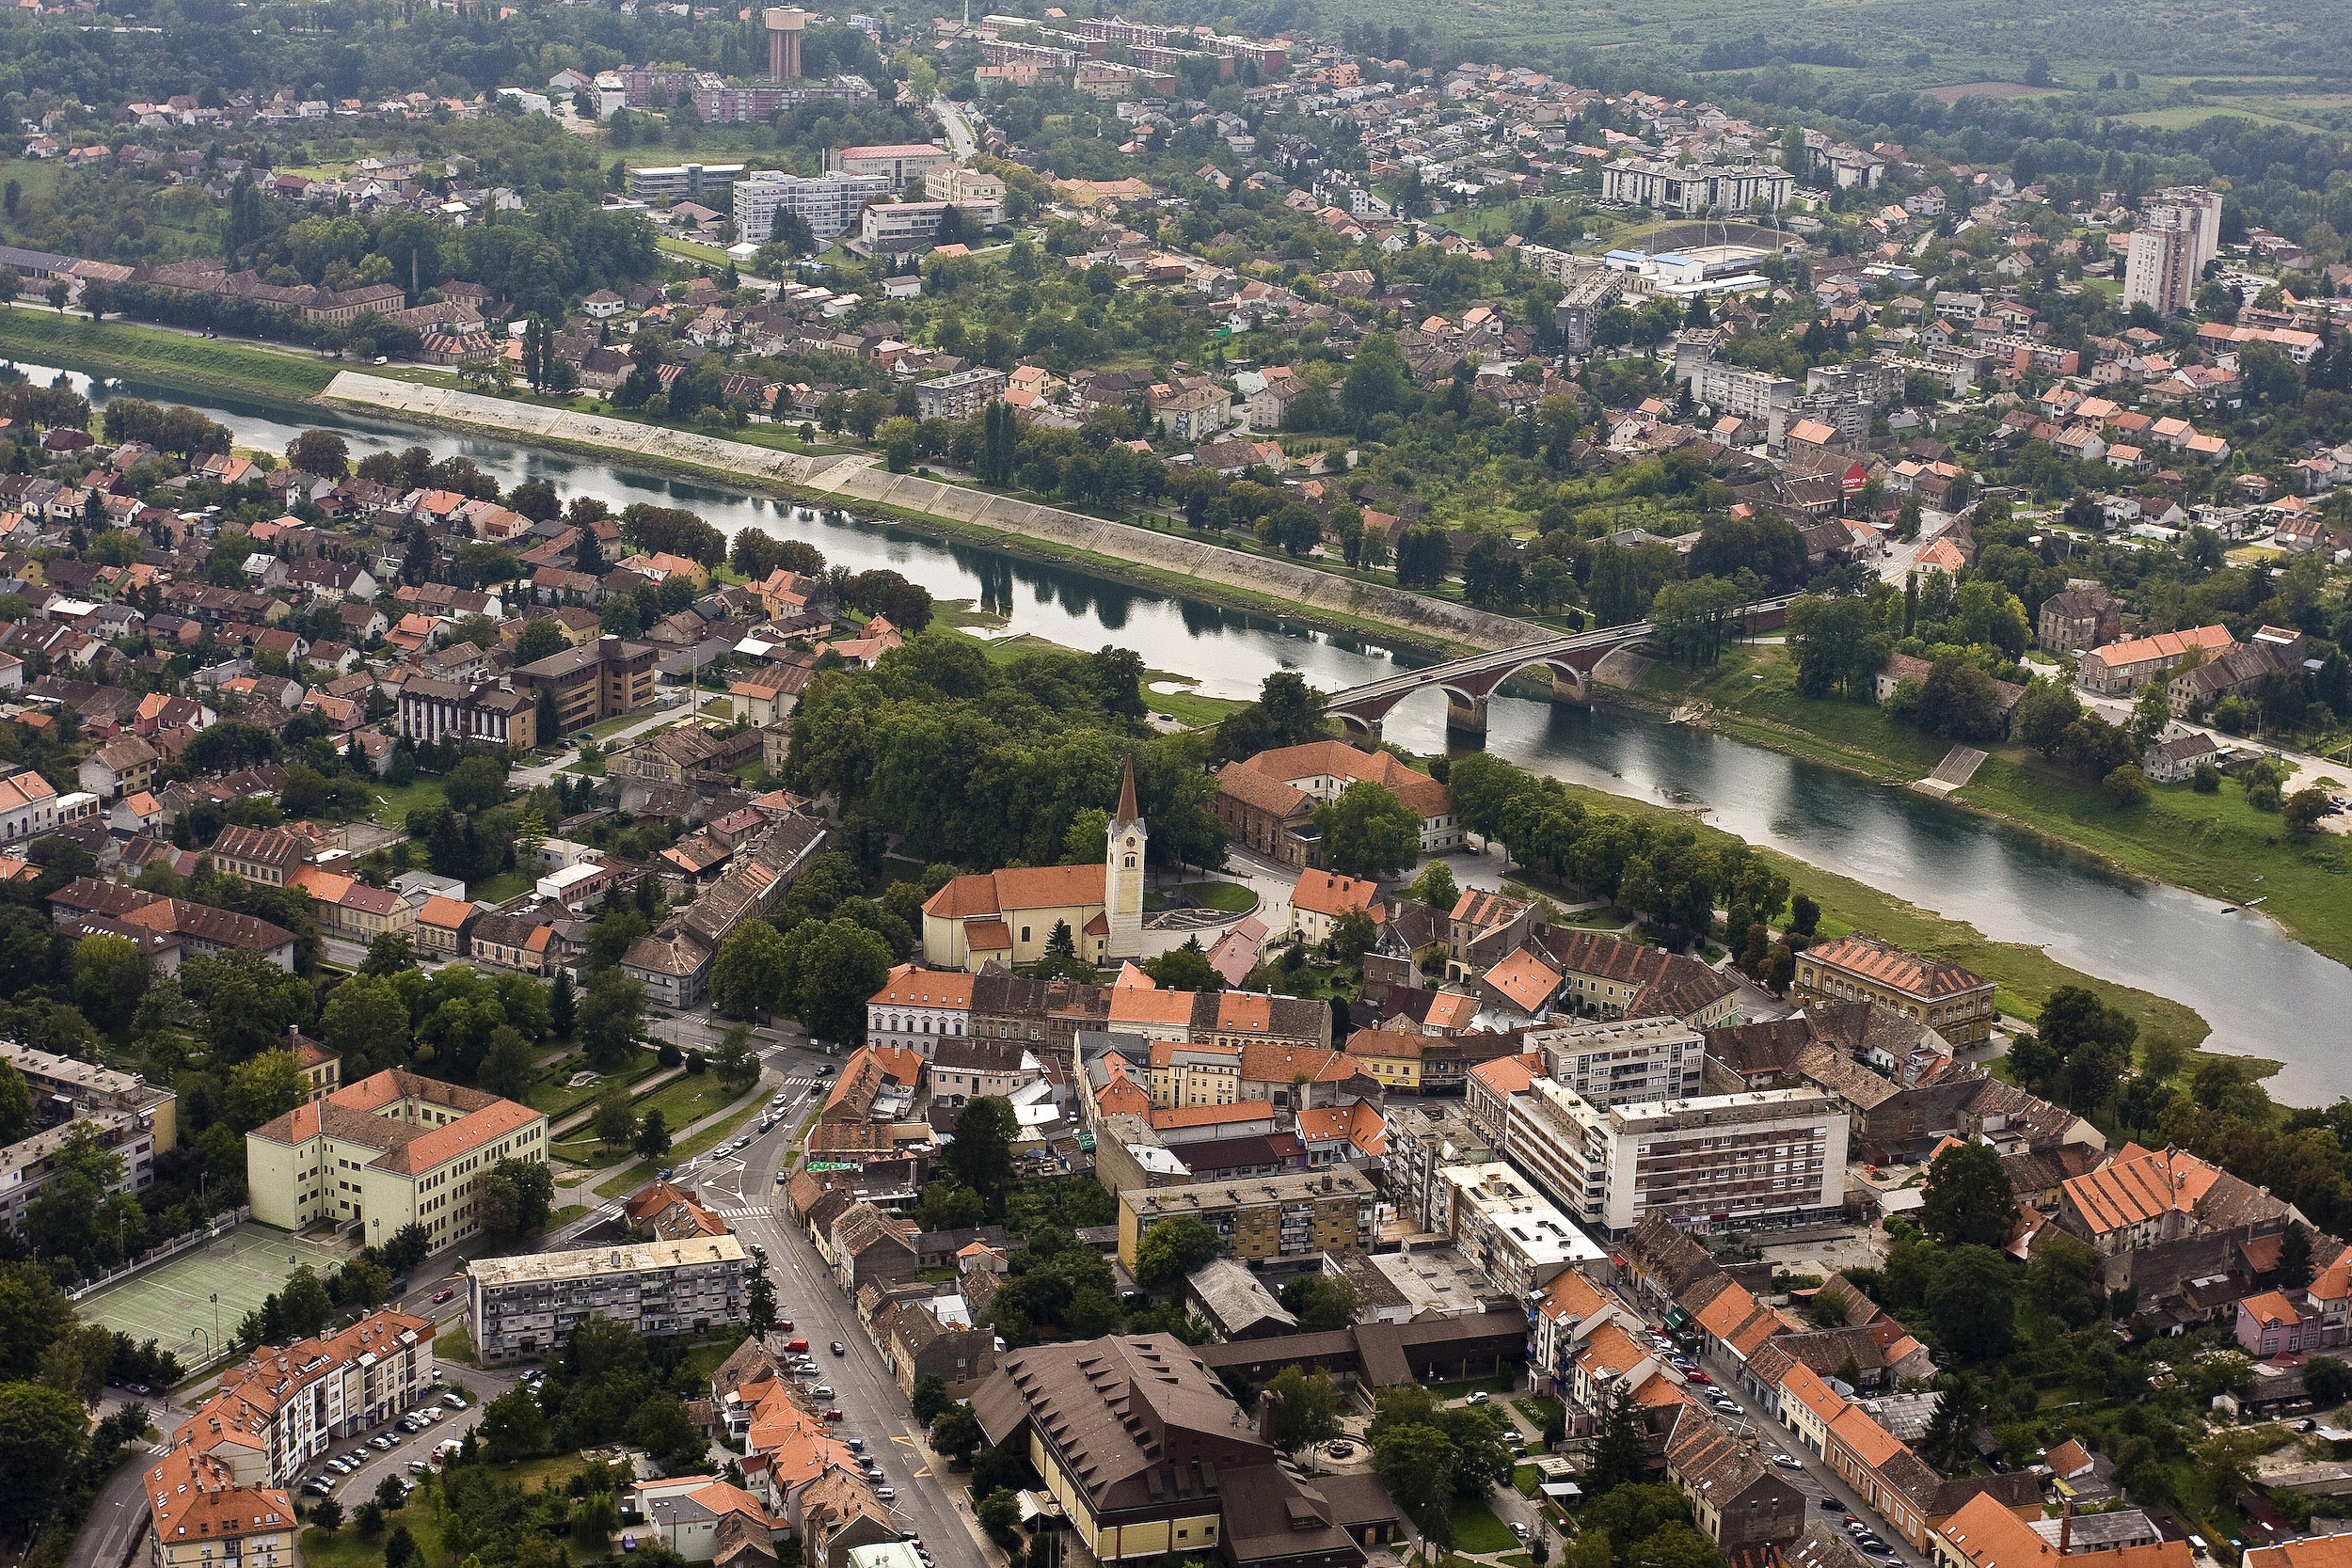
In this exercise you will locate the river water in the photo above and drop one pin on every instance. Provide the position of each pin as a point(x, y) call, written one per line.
point(2263, 993)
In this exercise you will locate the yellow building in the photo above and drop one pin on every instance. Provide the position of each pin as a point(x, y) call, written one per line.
point(386, 1152)
point(1392, 1058)
point(1300, 1215)
point(1956, 1003)
point(1183, 1076)
point(1010, 917)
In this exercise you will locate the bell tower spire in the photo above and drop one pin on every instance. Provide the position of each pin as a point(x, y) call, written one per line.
point(1123, 870)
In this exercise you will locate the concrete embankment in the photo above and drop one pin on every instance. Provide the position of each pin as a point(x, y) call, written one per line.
point(1161, 559)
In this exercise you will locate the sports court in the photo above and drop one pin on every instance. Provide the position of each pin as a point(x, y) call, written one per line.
point(172, 1302)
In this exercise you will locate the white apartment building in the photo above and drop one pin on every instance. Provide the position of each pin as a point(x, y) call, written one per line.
point(1620, 1061)
point(278, 1412)
point(130, 1116)
point(1695, 189)
point(968, 188)
point(1756, 1160)
point(830, 204)
point(1514, 1234)
point(2179, 231)
point(521, 1308)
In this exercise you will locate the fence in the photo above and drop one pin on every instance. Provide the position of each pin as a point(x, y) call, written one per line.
point(222, 1224)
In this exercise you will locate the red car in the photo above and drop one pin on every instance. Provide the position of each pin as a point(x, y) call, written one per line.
point(442, 1294)
point(798, 1344)
point(786, 1326)
point(835, 1414)
point(1700, 1377)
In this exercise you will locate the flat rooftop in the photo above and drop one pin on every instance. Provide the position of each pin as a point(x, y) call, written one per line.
point(493, 1273)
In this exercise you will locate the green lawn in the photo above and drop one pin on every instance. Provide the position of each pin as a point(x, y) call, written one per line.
point(642, 1172)
point(1229, 898)
point(505, 885)
point(1539, 1408)
point(1187, 706)
point(551, 1091)
point(421, 794)
point(455, 1345)
point(682, 1102)
point(174, 359)
point(1477, 1529)
point(348, 1548)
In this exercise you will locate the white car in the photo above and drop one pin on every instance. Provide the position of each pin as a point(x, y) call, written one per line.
point(1481, 1396)
point(1786, 1463)
point(1519, 1530)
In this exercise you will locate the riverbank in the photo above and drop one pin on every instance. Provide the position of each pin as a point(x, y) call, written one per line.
point(2023, 975)
point(1186, 568)
point(2213, 845)
point(200, 366)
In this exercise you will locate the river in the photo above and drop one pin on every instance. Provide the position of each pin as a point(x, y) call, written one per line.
point(2263, 993)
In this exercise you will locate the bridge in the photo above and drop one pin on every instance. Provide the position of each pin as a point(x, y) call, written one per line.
point(1466, 683)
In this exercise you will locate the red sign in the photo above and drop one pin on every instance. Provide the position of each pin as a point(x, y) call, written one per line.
point(1855, 478)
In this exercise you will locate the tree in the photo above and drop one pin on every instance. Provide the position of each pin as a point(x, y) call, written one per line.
point(563, 1006)
point(664, 1430)
point(998, 1513)
point(955, 1433)
point(1368, 831)
point(616, 1117)
point(737, 1063)
point(2064, 1278)
point(1185, 968)
point(321, 454)
point(608, 1017)
point(1949, 1442)
point(2090, 1043)
point(759, 1305)
point(514, 1197)
point(1969, 1199)
point(474, 784)
point(507, 1066)
point(539, 639)
point(1973, 1302)
point(979, 1156)
point(653, 1137)
point(1435, 886)
point(41, 1434)
point(389, 1496)
point(1307, 1408)
point(514, 1427)
point(327, 1517)
point(1322, 1303)
point(2328, 1379)
point(2294, 1257)
point(1416, 1464)
point(1173, 1250)
point(110, 974)
point(749, 978)
point(388, 953)
point(1621, 1453)
point(264, 1089)
point(2302, 811)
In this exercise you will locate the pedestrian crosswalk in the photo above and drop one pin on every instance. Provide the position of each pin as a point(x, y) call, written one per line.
point(757, 1212)
point(803, 1082)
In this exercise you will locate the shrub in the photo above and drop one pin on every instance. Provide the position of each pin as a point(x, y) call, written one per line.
point(2126, 786)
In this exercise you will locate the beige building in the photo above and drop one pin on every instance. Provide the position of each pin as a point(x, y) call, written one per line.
point(521, 1308)
point(1182, 1076)
point(1288, 1217)
point(386, 1151)
point(201, 1518)
point(1956, 1003)
point(283, 1408)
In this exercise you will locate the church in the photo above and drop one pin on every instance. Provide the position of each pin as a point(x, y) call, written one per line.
point(1009, 916)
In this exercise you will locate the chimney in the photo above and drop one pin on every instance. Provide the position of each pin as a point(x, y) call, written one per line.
point(2066, 1527)
point(1267, 1400)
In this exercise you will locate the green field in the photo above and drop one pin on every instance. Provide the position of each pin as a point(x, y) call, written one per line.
point(170, 358)
point(682, 1102)
point(1228, 898)
point(642, 1172)
point(1477, 1529)
point(550, 1092)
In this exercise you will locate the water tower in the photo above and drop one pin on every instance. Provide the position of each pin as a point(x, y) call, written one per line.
point(785, 24)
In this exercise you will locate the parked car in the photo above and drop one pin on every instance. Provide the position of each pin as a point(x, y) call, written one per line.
point(785, 1327)
point(454, 1400)
point(1519, 1530)
point(1786, 1463)
point(884, 1493)
point(835, 1415)
point(1480, 1397)
point(822, 1391)
point(796, 1345)
point(1695, 1375)
point(1831, 1503)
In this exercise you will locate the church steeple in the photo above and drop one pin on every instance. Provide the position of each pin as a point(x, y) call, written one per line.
point(1123, 870)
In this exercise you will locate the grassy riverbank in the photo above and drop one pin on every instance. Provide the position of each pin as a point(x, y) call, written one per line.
point(196, 365)
point(2210, 844)
point(2023, 975)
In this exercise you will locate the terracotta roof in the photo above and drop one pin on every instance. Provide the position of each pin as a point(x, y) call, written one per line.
point(2140, 1184)
point(2164, 644)
point(1889, 965)
point(1328, 892)
point(931, 987)
point(1041, 887)
point(1525, 979)
point(446, 913)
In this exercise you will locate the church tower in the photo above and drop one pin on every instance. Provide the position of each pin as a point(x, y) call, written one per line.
point(1123, 872)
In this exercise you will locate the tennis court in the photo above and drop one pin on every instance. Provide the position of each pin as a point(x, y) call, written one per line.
point(172, 1302)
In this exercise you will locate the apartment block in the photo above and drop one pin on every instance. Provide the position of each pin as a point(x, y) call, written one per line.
point(130, 1116)
point(492, 712)
point(282, 1408)
point(1261, 1218)
point(830, 204)
point(896, 162)
point(1621, 1061)
point(708, 184)
point(595, 680)
point(960, 395)
point(1499, 1219)
point(1697, 188)
point(1763, 1158)
point(1425, 1139)
point(521, 1308)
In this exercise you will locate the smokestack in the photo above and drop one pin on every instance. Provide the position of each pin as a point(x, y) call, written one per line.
point(2066, 1527)
point(1267, 1400)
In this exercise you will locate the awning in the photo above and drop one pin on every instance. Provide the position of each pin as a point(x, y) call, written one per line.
point(1562, 1491)
point(1678, 1318)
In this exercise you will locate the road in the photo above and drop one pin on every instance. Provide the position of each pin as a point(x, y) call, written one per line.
point(541, 773)
point(959, 138)
point(820, 1314)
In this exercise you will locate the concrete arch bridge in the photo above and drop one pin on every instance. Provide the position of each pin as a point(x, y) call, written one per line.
point(1466, 683)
